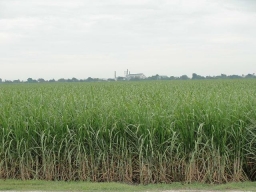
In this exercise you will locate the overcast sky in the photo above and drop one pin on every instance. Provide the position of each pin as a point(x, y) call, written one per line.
point(93, 38)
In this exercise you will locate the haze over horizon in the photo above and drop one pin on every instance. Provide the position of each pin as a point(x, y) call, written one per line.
point(81, 38)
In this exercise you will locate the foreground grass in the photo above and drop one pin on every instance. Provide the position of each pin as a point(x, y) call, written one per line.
point(90, 186)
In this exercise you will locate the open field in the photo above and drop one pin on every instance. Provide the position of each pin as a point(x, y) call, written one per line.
point(132, 132)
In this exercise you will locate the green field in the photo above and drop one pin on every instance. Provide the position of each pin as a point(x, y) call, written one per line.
point(132, 132)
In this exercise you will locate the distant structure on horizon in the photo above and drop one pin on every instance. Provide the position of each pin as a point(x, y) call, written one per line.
point(128, 76)
point(135, 76)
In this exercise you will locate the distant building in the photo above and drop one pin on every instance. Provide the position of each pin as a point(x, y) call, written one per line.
point(128, 76)
point(135, 76)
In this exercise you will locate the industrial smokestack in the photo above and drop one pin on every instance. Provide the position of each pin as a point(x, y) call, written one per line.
point(115, 75)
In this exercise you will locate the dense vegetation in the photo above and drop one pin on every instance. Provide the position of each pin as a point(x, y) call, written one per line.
point(140, 132)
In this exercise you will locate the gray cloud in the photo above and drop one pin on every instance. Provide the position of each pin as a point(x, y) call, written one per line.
point(64, 38)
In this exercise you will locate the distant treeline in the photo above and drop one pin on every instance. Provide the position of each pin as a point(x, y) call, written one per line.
point(154, 77)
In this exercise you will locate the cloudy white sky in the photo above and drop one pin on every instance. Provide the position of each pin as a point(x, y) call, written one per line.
point(93, 38)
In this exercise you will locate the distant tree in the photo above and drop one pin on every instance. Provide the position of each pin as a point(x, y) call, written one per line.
point(97, 79)
point(154, 77)
point(16, 81)
point(195, 76)
point(61, 80)
point(184, 77)
point(209, 77)
point(89, 79)
point(163, 77)
point(74, 79)
point(1, 80)
point(52, 80)
point(249, 76)
point(120, 78)
point(235, 77)
point(30, 80)
point(223, 76)
point(41, 80)
point(172, 78)
point(7, 81)
point(109, 79)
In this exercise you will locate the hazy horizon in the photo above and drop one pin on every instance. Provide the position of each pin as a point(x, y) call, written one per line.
point(80, 38)
point(170, 76)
